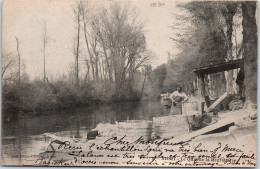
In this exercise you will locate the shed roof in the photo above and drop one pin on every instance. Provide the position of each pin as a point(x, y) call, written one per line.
point(233, 64)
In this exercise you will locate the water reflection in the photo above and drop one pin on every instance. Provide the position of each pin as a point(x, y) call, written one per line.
point(24, 136)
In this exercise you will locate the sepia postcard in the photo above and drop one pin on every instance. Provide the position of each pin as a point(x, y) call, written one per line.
point(129, 83)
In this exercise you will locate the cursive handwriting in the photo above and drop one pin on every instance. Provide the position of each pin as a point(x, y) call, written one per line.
point(139, 152)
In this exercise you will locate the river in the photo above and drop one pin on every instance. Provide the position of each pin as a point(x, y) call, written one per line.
point(24, 136)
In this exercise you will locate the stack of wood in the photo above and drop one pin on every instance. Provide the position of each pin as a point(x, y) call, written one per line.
point(236, 104)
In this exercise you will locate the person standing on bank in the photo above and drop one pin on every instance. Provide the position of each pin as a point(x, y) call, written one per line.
point(177, 97)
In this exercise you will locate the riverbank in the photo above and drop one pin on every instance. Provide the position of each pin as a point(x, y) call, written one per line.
point(80, 119)
point(30, 99)
point(234, 147)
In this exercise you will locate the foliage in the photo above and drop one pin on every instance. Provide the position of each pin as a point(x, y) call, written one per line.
point(116, 63)
point(39, 97)
point(114, 43)
point(201, 37)
point(109, 48)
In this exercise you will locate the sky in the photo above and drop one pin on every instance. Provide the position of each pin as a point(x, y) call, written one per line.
point(24, 19)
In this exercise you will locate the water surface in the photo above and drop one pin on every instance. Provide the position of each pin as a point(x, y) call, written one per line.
point(24, 136)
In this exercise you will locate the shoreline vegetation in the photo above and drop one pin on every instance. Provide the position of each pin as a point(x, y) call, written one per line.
point(37, 97)
point(113, 64)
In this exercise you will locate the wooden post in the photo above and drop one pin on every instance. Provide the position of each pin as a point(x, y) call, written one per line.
point(231, 118)
point(201, 92)
point(219, 100)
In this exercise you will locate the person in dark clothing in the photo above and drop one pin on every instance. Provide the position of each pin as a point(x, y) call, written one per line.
point(240, 81)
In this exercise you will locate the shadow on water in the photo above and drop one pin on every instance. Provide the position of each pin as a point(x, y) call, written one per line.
point(25, 135)
point(85, 117)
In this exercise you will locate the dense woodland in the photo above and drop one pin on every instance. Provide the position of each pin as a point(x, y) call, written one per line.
point(112, 62)
point(210, 33)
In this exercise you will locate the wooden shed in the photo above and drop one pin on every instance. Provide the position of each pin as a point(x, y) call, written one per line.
point(211, 69)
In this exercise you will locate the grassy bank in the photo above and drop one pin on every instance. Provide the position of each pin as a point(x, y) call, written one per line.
point(38, 97)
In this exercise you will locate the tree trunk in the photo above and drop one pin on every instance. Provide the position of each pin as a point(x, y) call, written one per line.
point(229, 13)
point(104, 72)
point(100, 70)
point(88, 48)
point(19, 60)
point(93, 69)
point(77, 48)
point(106, 59)
point(145, 72)
point(250, 50)
point(87, 75)
point(97, 70)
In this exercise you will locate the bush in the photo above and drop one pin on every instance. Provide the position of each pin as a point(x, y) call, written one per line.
point(40, 97)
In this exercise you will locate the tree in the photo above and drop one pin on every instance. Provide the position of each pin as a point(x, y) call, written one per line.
point(99, 28)
point(147, 71)
point(8, 62)
point(206, 38)
point(124, 41)
point(114, 47)
point(228, 11)
point(250, 49)
point(76, 51)
point(44, 40)
point(19, 60)
point(84, 7)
